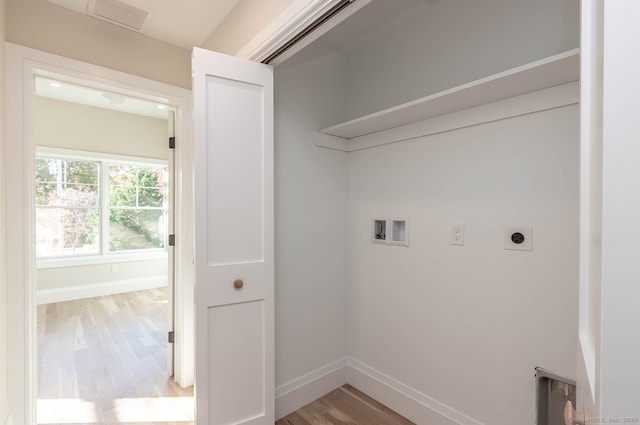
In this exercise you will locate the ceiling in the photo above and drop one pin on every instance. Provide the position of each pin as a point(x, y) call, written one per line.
point(357, 28)
point(184, 23)
point(189, 22)
point(56, 89)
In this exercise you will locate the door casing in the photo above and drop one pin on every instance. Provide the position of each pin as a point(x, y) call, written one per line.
point(22, 65)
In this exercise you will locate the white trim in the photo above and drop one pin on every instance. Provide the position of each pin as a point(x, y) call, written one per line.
point(409, 402)
point(303, 390)
point(542, 100)
point(295, 18)
point(549, 72)
point(89, 260)
point(99, 156)
point(76, 292)
point(22, 64)
point(330, 142)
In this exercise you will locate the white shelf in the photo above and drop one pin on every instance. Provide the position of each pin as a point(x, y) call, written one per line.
point(550, 72)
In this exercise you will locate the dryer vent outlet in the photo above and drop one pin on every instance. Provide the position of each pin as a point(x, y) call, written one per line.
point(518, 238)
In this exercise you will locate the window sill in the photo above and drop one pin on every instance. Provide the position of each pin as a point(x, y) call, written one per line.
point(90, 260)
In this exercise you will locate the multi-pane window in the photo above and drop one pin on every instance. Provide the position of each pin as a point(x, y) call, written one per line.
point(98, 206)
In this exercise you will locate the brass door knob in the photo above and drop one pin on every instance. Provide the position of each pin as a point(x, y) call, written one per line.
point(238, 283)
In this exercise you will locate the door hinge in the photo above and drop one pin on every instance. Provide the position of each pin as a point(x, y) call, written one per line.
point(171, 337)
point(172, 142)
point(172, 240)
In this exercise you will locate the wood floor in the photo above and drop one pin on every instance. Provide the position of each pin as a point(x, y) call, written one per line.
point(103, 361)
point(343, 406)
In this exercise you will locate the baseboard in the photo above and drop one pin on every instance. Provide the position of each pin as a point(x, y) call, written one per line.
point(301, 391)
point(410, 403)
point(46, 296)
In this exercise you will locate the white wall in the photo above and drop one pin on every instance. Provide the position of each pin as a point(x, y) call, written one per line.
point(3, 258)
point(44, 26)
point(466, 325)
point(311, 210)
point(65, 283)
point(620, 340)
point(246, 19)
point(463, 326)
point(591, 156)
point(74, 126)
point(68, 125)
point(442, 44)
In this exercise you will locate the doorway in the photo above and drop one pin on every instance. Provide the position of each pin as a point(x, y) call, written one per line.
point(104, 285)
point(25, 66)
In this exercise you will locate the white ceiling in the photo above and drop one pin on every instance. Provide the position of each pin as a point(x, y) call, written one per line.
point(189, 22)
point(54, 89)
point(184, 23)
point(357, 28)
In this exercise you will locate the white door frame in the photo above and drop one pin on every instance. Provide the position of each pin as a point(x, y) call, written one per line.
point(22, 65)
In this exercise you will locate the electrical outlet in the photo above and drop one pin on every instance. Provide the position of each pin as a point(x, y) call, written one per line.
point(115, 268)
point(457, 234)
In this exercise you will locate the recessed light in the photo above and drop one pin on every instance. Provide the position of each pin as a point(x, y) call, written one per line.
point(162, 106)
point(54, 84)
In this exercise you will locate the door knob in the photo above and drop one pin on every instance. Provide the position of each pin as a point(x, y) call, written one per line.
point(238, 283)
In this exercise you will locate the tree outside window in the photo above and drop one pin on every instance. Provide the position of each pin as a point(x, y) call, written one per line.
point(136, 207)
point(70, 220)
point(67, 207)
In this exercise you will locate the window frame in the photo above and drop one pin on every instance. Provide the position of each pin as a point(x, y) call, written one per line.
point(105, 256)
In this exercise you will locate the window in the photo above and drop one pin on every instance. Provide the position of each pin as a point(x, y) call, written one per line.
point(89, 206)
point(67, 207)
point(136, 207)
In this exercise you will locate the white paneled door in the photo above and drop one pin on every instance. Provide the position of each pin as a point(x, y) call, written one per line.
point(233, 116)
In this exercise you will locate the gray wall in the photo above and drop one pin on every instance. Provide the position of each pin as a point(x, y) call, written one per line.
point(310, 210)
point(445, 43)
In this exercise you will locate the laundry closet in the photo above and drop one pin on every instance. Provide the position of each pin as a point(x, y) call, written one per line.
point(451, 125)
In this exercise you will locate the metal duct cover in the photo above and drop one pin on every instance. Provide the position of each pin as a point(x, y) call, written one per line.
point(118, 12)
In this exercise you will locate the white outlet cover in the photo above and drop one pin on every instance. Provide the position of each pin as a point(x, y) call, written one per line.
point(526, 231)
point(457, 234)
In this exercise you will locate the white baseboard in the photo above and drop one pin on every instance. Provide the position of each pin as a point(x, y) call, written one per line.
point(46, 296)
point(309, 387)
point(410, 403)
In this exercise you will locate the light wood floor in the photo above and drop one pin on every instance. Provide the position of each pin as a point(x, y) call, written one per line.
point(343, 406)
point(103, 361)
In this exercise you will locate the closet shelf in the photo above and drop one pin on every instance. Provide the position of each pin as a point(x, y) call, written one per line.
point(550, 72)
